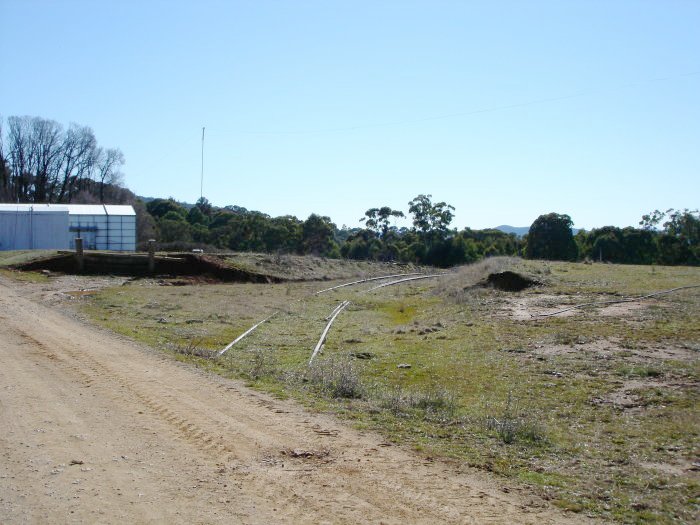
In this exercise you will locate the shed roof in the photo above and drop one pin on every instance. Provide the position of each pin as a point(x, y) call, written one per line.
point(73, 209)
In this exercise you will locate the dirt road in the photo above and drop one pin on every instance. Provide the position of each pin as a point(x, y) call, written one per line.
point(94, 428)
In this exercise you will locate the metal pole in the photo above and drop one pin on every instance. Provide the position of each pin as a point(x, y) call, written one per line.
point(79, 253)
point(201, 184)
point(151, 255)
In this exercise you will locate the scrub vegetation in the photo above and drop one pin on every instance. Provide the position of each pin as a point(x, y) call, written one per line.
point(671, 237)
point(596, 409)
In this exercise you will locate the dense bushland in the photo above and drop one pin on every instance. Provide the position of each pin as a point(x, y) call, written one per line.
point(430, 241)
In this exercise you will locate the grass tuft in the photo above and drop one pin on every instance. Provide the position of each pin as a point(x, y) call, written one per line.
point(401, 401)
point(263, 363)
point(192, 348)
point(514, 423)
point(337, 377)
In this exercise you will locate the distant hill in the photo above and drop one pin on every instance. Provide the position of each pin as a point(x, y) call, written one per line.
point(519, 231)
point(146, 200)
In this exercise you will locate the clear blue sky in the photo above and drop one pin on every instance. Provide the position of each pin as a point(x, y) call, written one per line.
point(504, 109)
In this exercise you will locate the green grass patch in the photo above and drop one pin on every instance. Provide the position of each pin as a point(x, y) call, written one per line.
point(30, 277)
point(9, 258)
point(570, 405)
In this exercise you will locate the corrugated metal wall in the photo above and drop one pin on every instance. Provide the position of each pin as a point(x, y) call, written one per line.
point(55, 226)
point(104, 232)
point(34, 230)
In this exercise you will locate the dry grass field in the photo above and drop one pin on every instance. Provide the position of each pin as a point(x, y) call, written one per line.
point(595, 409)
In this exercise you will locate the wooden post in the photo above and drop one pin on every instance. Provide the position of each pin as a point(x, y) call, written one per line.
point(151, 255)
point(79, 254)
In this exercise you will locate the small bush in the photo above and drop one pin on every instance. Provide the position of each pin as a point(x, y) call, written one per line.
point(282, 259)
point(263, 363)
point(514, 424)
point(337, 377)
point(434, 401)
point(192, 349)
point(639, 371)
point(564, 338)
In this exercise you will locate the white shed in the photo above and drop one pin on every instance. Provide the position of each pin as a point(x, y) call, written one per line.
point(24, 228)
point(55, 226)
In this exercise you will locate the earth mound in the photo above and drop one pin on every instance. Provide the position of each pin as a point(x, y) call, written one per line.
point(510, 281)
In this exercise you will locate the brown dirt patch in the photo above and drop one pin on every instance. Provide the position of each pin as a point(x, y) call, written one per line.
point(629, 395)
point(527, 307)
point(678, 468)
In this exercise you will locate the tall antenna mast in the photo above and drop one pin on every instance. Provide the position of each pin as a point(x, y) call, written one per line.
point(201, 183)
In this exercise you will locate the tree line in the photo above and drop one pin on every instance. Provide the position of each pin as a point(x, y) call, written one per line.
point(671, 237)
point(41, 161)
point(429, 241)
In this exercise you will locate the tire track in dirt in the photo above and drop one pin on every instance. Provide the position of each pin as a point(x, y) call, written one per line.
point(100, 374)
point(90, 371)
point(193, 433)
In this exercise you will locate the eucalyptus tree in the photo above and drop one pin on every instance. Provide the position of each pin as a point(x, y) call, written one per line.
point(378, 220)
point(550, 237)
point(430, 219)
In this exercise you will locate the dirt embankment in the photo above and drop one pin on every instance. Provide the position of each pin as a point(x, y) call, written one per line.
point(134, 264)
point(97, 429)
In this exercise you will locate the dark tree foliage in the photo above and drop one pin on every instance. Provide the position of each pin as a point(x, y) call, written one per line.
point(204, 206)
point(318, 236)
point(344, 233)
point(378, 219)
point(363, 244)
point(146, 227)
point(196, 217)
point(679, 242)
point(174, 229)
point(429, 241)
point(676, 243)
point(161, 207)
point(430, 219)
point(236, 228)
point(550, 238)
point(5, 178)
point(618, 245)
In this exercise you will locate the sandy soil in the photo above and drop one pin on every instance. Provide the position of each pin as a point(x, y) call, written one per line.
point(97, 429)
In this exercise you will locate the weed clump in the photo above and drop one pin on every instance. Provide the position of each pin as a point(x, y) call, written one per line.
point(336, 377)
point(433, 402)
point(514, 424)
point(263, 363)
point(639, 371)
point(192, 348)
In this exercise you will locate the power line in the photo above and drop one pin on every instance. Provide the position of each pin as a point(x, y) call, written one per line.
point(467, 113)
point(417, 121)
